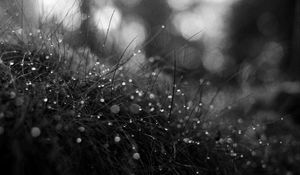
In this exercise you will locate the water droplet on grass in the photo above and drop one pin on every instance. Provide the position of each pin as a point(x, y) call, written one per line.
point(81, 129)
point(117, 139)
point(151, 96)
point(78, 140)
point(12, 95)
point(115, 109)
point(35, 132)
point(136, 156)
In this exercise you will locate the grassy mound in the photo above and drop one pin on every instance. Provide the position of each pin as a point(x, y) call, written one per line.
point(65, 111)
point(54, 121)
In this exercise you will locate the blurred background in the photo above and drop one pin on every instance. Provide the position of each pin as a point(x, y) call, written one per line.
point(245, 48)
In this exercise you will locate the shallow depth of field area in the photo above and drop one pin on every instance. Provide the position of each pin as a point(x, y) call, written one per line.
point(149, 87)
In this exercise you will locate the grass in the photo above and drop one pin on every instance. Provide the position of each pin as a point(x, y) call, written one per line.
point(65, 111)
point(55, 120)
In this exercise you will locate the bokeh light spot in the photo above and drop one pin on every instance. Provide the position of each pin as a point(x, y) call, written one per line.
point(66, 12)
point(108, 17)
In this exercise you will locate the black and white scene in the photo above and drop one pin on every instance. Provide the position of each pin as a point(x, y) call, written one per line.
point(149, 87)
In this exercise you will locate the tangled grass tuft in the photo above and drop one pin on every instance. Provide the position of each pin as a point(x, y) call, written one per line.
point(65, 111)
point(55, 121)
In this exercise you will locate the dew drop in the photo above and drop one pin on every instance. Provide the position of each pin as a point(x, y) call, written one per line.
point(136, 156)
point(35, 132)
point(81, 129)
point(117, 139)
point(78, 140)
point(115, 109)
